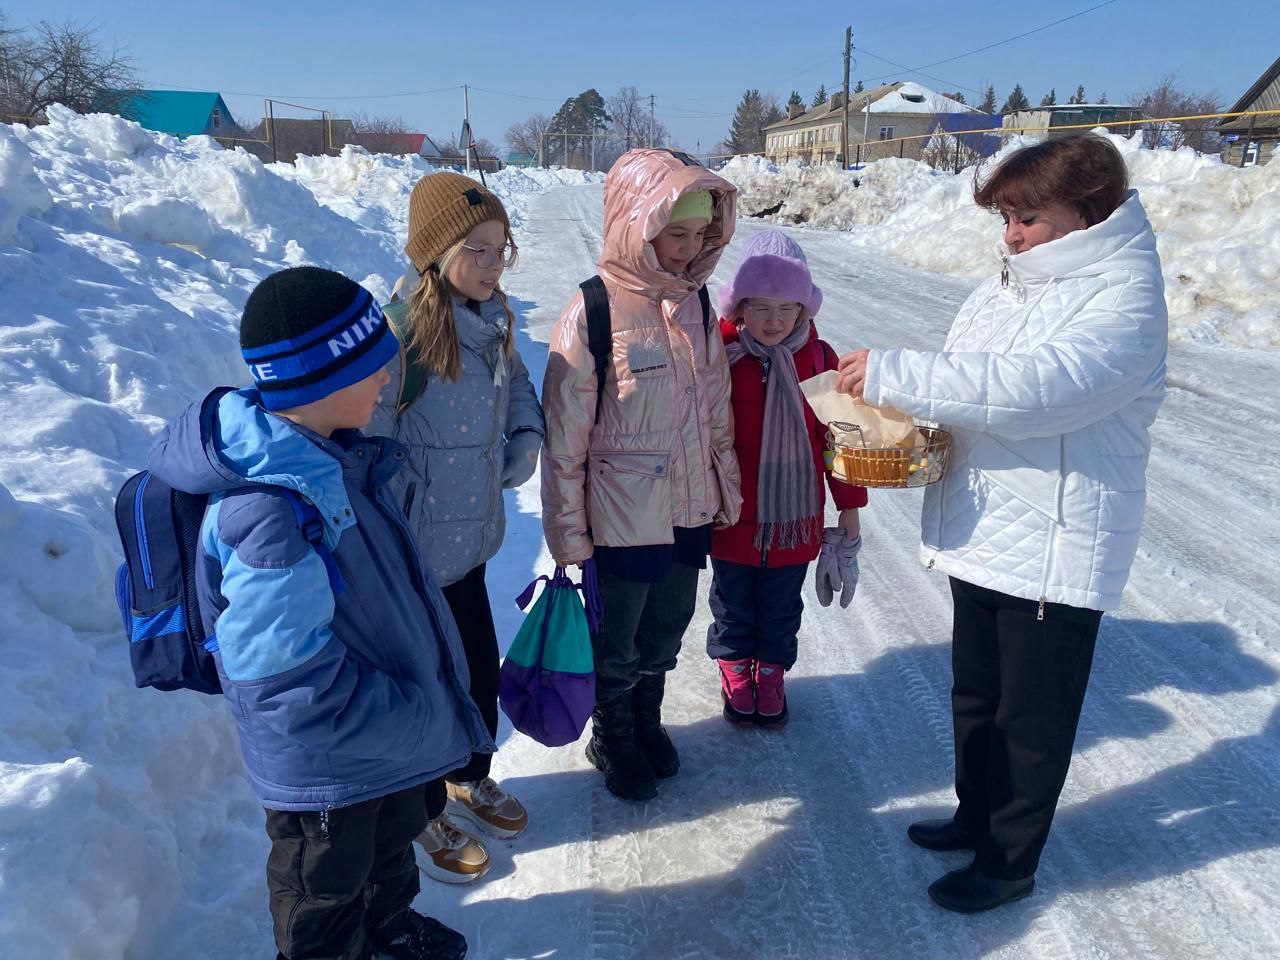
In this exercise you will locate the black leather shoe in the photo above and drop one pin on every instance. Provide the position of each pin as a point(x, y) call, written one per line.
point(941, 835)
point(969, 890)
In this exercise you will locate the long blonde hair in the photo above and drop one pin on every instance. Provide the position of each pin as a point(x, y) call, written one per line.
point(434, 332)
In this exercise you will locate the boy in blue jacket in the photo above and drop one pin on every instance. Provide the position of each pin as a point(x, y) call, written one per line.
point(343, 668)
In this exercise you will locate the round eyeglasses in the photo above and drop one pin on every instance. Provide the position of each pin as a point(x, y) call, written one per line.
point(763, 312)
point(487, 256)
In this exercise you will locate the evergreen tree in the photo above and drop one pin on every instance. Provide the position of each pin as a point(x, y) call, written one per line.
point(1050, 98)
point(772, 114)
point(821, 96)
point(795, 100)
point(1079, 95)
point(958, 97)
point(746, 130)
point(988, 104)
point(583, 115)
point(1017, 100)
point(1103, 98)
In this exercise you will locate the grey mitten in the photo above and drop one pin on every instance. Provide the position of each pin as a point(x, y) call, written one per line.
point(847, 561)
point(520, 457)
point(826, 575)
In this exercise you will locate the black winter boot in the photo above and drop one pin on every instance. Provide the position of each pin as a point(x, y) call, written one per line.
point(408, 935)
point(646, 705)
point(614, 751)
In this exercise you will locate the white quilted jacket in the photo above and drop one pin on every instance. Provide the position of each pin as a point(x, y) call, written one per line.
point(1050, 380)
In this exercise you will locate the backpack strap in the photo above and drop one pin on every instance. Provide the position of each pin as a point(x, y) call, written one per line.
point(413, 375)
point(312, 528)
point(704, 298)
point(595, 300)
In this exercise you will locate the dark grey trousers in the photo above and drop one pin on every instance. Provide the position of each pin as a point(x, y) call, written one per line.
point(644, 624)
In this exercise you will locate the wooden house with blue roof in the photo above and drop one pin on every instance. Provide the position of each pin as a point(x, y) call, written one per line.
point(180, 113)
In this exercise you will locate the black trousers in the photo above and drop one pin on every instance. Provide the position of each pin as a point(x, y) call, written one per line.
point(644, 624)
point(335, 876)
point(756, 612)
point(469, 601)
point(1019, 684)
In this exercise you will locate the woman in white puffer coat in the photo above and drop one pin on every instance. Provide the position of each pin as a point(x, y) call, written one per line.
point(1049, 382)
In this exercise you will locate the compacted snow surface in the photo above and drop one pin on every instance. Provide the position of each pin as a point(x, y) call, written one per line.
point(127, 829)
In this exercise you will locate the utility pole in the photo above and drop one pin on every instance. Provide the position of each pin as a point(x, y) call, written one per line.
point(466, 124)
point(844, 125)
point(651, 120)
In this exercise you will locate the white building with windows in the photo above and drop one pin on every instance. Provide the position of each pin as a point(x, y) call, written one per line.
point(878, 120)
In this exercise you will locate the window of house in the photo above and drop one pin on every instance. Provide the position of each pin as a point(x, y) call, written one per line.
point(808, 138)
point(886, 133)
point(217, 117)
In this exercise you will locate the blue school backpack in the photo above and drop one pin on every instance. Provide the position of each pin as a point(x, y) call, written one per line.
point(156, 585)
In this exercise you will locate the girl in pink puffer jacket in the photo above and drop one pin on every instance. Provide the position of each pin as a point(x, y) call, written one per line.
point(636, 485)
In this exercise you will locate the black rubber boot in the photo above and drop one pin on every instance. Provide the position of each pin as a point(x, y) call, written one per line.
point(614, 751)
point(656, 746)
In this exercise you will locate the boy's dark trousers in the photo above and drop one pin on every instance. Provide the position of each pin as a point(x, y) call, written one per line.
point(334, 876)
point(756, 612)
point(644, 624)
point(469, 601)
point(1019, 684)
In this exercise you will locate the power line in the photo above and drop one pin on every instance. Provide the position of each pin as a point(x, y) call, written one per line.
point(522, 96)
point(906, 69)
point(990, 46)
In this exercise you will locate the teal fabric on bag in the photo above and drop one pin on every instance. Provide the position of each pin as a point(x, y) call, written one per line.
point(547, 685)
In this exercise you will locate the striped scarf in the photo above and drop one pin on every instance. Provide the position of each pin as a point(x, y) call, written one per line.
point(787, 492)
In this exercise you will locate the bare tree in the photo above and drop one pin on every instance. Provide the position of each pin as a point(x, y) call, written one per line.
point(64, 63)
point(526, 136)
point(382, 134)
point(630, 115)
point(1168, 99)
point(448, 147)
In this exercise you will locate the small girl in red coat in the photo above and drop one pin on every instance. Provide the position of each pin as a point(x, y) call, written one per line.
point(760, 562)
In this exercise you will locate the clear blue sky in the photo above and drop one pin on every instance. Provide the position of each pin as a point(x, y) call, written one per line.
point(697, 57)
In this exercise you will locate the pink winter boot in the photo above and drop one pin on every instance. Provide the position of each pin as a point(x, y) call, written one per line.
point(738, 690)
point(771, 700)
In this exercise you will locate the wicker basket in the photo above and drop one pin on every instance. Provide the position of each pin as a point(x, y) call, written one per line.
point(907, 466)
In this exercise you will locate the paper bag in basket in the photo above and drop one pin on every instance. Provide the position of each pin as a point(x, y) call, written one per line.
point(855, 426)
point(880, 427)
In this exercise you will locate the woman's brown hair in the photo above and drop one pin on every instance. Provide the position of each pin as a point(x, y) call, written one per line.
point(1082, 171)
point(434, 333)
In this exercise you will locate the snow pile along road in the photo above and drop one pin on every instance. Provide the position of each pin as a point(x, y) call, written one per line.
point(125, 259)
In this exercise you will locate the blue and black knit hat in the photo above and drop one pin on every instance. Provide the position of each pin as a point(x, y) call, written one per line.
point(307, 332)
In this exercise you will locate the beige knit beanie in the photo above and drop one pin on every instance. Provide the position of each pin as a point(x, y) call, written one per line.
point(443, 208)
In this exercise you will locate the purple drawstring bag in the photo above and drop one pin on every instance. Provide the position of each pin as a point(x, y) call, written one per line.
point(547, 685)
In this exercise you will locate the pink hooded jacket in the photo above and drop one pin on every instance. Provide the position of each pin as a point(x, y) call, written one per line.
point(661, 455)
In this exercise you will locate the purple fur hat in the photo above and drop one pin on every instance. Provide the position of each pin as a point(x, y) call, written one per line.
point(772, 265)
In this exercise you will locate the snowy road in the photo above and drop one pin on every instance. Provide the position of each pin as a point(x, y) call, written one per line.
point(791, 844)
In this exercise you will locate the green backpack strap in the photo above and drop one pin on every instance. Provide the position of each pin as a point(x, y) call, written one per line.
point(413, 375)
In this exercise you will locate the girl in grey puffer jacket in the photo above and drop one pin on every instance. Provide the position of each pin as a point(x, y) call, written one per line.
point(461, 401)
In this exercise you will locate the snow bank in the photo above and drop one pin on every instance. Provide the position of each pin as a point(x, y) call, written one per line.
point(1217, 227)
point(125, 259)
